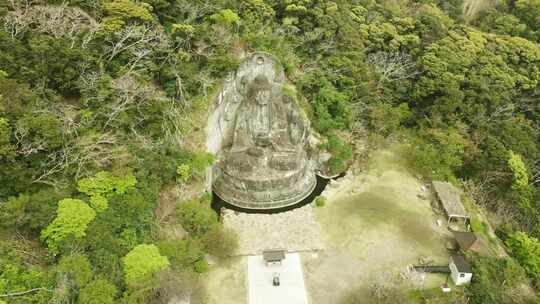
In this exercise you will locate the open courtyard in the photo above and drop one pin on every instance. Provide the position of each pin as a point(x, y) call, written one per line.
point(373, 226)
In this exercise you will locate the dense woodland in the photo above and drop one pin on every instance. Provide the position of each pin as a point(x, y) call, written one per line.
point(102, 107)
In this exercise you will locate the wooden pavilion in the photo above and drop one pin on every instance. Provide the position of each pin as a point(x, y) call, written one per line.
point(450, 198)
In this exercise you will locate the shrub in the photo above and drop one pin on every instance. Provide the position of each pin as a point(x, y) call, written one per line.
point(142, 263)
point(197, 217)
point(183, 172)
point(220, 242)
point(341, 152)
point(526, 249)
point(99, 291)
point(182, 254)
point(201, 266)
point(494, 281)
point(73, 217)
point(77, 268)
point(320, 201)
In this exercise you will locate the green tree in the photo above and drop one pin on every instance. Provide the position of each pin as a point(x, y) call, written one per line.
point(143, 263)
point(495, 280)
point(529, 11)
point(225, 17)
point(121, 12)
point(72, 219)
point(331, 109)
point(520, 181)
point(220, 242)
point(16, 274)
point(184, 172)
point(182, 254)
point(197, 217)
point(526, 249)
point(341, 152)
point(7, 149)
point(39, 132)
point(76, 268)
point(438, 153)
point(386, 118)
point(99, 291)
point(103, 185)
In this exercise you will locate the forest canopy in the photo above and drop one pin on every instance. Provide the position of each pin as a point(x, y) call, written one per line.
point(103, 102)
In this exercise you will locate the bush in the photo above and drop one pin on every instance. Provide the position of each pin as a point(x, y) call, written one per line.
point(182, 254)
point(201, 266)
point(220, 242)
point(99, 291)
point(73, 217)
point(526, 250)
point(320, 201)
point(495, 280)
point(197, 217)
point(331, 110)
point(342, 154)
point(142, 263)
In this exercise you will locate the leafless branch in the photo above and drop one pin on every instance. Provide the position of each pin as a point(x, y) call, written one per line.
point(392, 66)
point(22, 293)
point(17, 21)
point(56, 20)
point(130, 93)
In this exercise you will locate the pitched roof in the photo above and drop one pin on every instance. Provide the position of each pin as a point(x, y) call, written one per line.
point(450, 198)
point(461, 264)
point(470, 241)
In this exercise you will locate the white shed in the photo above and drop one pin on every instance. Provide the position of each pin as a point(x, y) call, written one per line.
point(460, 270)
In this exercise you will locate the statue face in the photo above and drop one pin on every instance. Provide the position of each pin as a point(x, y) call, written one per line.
point(262, 97)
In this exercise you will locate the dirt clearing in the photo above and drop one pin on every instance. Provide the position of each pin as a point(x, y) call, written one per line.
point(374, 223)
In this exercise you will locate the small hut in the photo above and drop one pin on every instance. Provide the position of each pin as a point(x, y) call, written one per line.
point(470, 241)
point(450, 198)
point(460, 270)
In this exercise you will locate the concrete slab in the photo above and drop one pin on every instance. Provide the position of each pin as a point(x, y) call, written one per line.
point(292, 289)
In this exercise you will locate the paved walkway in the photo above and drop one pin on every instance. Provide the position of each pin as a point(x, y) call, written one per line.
point(291, 290)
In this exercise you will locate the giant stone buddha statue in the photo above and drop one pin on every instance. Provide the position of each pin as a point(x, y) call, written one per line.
point(262, 142)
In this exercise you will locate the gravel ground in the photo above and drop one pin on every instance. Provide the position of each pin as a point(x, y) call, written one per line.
point(295, 230)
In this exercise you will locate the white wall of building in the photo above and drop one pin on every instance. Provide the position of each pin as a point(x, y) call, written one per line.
point(459, 278)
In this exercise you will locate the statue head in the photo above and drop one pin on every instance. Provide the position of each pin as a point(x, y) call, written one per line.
point(260, 89)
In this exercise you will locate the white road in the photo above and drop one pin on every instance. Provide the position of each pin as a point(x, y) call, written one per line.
point(292, 289)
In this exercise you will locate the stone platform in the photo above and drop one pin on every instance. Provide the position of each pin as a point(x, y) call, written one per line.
point(295, 230)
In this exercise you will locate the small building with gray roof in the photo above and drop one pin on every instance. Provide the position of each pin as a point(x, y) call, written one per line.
point(450, 199)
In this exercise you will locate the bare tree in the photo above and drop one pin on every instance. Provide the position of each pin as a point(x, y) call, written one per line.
point(136, 37)
point(63, 22)
point(535, 173)
point(17, 19)
point(56, 20)
point(22, 293)
point(393, 66)
point(78, 153)
point(503, 112)
point(131, 93)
